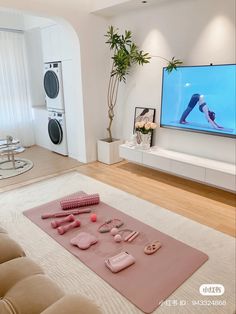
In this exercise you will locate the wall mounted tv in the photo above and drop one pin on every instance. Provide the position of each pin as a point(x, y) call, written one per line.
point(200, 99)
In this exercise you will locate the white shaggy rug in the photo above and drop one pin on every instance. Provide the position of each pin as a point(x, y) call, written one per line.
point(74, 277)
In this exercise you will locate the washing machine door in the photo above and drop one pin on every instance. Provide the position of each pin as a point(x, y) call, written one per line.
point(55, 131)
point(51, 84)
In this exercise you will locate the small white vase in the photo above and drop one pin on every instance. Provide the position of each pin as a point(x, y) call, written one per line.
point(146, 140)
point(138, 138)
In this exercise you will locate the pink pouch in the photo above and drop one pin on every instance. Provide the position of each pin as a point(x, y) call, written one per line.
point(119, 261)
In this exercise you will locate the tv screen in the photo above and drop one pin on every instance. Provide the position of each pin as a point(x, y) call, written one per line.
point(200, 99)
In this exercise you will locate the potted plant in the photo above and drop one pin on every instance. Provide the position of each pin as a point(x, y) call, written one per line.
point(125, 54)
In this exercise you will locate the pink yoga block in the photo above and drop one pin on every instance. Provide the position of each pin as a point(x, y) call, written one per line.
point(63, 229)
point(80, 201)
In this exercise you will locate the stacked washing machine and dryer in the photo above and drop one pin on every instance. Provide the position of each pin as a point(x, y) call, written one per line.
point(53, 86)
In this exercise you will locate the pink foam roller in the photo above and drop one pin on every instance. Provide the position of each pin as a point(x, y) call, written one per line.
point(80, 201)
point(58, 223)
point(63, 229)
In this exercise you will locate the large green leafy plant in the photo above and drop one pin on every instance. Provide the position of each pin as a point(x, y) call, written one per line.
point(125, 54)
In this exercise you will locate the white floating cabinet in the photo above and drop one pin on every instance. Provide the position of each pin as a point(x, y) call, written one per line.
point(187, 170)
point(152, 160)
point(208, 171)
point(130, 154)
point(224, 180)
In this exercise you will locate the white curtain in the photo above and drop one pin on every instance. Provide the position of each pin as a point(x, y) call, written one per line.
point(15, 110)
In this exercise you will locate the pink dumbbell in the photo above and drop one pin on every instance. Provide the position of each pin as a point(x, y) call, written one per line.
point(57, 223)
point(64, 229)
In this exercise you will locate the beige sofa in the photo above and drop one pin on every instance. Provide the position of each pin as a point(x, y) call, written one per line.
point(25, 289)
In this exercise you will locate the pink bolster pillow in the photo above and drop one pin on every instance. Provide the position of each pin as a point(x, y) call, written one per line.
point(80, 201)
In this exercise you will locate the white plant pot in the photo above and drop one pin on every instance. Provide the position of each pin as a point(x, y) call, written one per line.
point(108, 153)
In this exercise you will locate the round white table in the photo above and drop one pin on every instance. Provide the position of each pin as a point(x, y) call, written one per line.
point(9, 148)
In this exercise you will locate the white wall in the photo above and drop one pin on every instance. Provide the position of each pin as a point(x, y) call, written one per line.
point(32, 21)
point(198, 32)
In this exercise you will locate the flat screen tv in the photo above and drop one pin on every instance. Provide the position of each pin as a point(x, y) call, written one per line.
point(200, 99)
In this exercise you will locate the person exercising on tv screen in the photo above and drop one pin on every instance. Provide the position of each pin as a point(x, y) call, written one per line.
point(210, 115)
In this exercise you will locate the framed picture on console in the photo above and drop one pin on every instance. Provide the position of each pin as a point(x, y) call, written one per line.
point(142, 114)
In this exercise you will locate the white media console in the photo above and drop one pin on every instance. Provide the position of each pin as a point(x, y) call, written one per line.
point(208, 171)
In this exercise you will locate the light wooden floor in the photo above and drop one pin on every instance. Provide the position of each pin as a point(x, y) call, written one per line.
point(46, 164)
point(207, 205)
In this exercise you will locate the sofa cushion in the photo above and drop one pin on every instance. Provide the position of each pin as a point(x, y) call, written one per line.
point(31, 295)
point(73, 304)
point(9, 248)
point(15, 270)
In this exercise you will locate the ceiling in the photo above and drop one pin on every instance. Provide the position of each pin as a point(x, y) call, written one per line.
point(116, 7)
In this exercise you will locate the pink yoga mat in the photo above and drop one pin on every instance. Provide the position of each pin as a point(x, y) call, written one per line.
point(147, 282)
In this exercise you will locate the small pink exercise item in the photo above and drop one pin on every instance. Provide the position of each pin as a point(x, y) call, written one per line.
point(119, 234)
point(118, 238)
point(114, 231)
point(63, 229)
point(58, 223)
point(152, 247)
point(93, 217)
point(110, 224)
point(80, 201)
point(84, 240)
point(133, 236)
point(129, 236)
point(67, 213)
point(119, 261)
